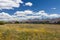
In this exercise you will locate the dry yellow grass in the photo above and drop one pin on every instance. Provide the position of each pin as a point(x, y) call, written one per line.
point(29, 32)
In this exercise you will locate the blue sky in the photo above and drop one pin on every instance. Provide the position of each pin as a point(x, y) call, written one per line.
point(34, 8)
point(37, 6)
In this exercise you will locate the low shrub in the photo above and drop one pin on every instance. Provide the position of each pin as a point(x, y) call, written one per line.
point(2, 22)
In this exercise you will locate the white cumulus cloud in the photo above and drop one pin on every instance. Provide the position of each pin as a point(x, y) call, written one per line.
point(23, 13)
point(5, 16)
point(9, 4)
point(28, 4)
point(54, 16)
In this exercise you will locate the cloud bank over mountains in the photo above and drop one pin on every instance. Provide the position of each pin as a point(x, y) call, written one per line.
point(27, 14)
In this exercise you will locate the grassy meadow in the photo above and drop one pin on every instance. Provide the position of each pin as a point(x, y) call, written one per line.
point(30, 32)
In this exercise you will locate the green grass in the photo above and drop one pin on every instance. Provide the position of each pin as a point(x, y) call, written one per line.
point(30, 32)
